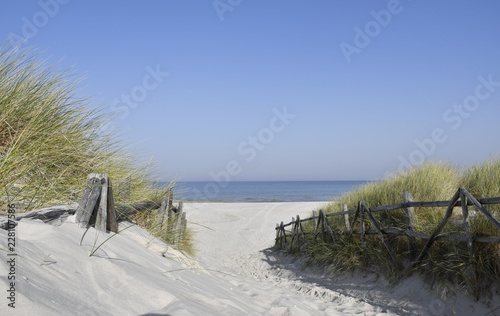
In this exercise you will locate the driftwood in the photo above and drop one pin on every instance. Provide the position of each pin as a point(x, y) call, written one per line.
point(54, 215)
point(51, 215)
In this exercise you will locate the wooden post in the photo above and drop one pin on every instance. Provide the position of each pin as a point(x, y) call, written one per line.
point(322, 219)
point(283, 232)
point(170, 220)
point(102, 211)
point(346, 219)
point(300, 232)
point(410, 220)
point(361, 213)
point(163, 210)
point(466, 222)
point(277, 235)
point(88, 202)
point(112, 223)
point(301, 229)
point(293, 234)
point(97, 207)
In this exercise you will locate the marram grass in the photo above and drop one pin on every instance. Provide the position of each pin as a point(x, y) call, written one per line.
point(51, 139)
point(447, 262)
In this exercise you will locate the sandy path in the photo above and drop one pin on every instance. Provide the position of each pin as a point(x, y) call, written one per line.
point(235, 243)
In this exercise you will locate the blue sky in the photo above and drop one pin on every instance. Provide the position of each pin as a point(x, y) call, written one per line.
point(281, 90)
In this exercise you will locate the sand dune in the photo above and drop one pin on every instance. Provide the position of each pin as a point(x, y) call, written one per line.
point(234, 273)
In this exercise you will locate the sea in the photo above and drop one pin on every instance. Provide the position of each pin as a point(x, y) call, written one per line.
point(263, 191)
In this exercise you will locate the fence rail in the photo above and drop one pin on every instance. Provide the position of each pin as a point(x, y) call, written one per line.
point(295, 236)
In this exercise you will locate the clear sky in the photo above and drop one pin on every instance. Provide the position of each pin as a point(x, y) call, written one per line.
point(281, 90)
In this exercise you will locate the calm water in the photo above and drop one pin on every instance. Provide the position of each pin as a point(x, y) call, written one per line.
point(269, 191)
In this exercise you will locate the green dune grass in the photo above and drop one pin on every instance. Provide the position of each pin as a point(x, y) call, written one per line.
point(51, 139)
point(447, 262)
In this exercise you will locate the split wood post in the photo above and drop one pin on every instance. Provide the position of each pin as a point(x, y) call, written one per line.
point(346, 218)
point(112, 223)
point(102, 216)
point(410, 226)
point(88, 201)
point(96, 207)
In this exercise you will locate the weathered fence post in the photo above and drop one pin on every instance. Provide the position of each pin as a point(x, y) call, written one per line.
point(277, 235)
point(466, 222)
point(96, 207)
point(293, 234)
point(315, 217)
point(361, 212)
point(283, 234)
point(300, 232)
point(346, 218)
point(164, 208)
point(112, 223)
point(410, 220)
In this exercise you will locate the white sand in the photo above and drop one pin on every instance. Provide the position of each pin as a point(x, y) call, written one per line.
point(232, 274)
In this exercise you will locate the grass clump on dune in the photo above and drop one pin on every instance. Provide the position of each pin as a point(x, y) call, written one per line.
point(447, 262)
point(51, 139)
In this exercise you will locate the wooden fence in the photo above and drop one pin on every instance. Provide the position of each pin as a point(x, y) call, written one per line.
point(97, 208)
point(295, 236)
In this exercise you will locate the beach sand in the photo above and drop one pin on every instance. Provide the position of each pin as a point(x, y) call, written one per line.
point(233, 273)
